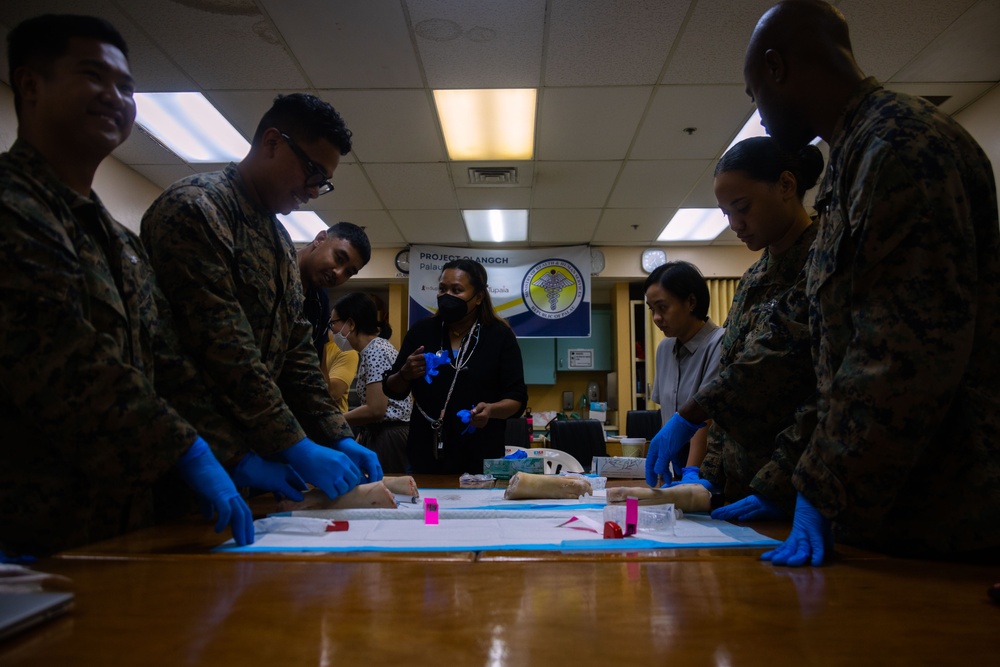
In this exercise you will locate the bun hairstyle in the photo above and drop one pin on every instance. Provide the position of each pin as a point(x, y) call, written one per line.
point(762, 159)
point(361, 308)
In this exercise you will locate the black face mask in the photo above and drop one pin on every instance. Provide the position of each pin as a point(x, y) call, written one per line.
point(451, 308)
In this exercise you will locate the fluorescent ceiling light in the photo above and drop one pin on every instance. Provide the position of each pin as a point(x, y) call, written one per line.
point(190, 126)
point(694, 224)
point(753, 128)
point(495, 124)
point(496, 226)
point(303, 226)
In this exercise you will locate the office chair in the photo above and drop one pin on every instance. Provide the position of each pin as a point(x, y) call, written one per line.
point(642, 423)
point(581, 438)
point(516, 433)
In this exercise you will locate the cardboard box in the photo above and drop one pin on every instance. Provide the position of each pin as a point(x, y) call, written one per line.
point(505, 468)
point(620, 467)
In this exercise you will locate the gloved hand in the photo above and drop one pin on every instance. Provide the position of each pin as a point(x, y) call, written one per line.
point(665, 446)
point(433, 360)
point(809, 540)
point(752, 508)
point(365, 459)
point(279, 478)
point(199, 468)
point(466, 417)
point(690, 475)
point(329, 470)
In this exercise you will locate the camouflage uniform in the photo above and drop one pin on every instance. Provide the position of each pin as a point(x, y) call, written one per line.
point(904, 296)
point(229, 271)
point(766, 376)
point(83, 336)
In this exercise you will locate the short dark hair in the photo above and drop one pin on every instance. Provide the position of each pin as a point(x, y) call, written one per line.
point(361, 308)
point(478, 278)
point(762, 159)
point(38, 41)
point(305, 118)
point(354, 235)
point(682, 279)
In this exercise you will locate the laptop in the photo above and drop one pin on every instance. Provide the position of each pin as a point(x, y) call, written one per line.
point(20, 611)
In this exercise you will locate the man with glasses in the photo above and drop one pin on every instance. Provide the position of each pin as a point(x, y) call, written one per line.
point(229, 270)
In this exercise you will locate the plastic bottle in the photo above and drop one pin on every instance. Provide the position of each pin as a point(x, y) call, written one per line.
point(531, 432)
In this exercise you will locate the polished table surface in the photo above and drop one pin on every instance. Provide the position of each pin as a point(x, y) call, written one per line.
point(157, 597)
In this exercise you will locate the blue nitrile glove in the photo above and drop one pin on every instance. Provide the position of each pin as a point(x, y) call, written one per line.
point(665, 446)
point(202, 472)
point(809, 540)
point(329, 470)
point(365, 459)
point(751, 508)
point(433, 360)
point(690, 475)
point(466, 417)
point(279, 478)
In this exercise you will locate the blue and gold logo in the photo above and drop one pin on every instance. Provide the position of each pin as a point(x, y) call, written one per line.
point(552, 288)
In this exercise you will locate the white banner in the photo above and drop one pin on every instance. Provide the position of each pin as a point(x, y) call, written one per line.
point(543, 293)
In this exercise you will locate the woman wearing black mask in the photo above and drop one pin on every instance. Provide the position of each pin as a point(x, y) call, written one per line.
point(484, 376)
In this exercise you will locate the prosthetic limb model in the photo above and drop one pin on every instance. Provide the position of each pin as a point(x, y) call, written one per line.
point(685, 497)
point(375, 494)
point(402, 486)
point(524, 485)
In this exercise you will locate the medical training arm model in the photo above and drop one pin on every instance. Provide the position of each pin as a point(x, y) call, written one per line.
point(524, 485)
point(685, 497)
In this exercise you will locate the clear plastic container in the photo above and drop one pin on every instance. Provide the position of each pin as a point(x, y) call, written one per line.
point(659, 518)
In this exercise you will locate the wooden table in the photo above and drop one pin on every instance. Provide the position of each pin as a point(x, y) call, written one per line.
point(156, 597)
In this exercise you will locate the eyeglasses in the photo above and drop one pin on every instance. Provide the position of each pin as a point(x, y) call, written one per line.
point(315, 177)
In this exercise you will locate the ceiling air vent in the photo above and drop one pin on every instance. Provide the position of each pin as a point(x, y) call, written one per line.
point(492, 175)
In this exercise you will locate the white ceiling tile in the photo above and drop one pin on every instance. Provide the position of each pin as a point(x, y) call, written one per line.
point(141, 148)
point(233, 49)
point(714, 42)
point(349, 43)
point(887, 35)
point(378, 225)
point(163, 175)
point(441, 227)
point(562, 226)
point(702, 195)
point(479, 44)
point(390, 125)
point(968, 50)
point(716, 113)
point(589, 123)
point(244, 109)
point(573, 184)
point(352, 191)
point(656, 183)
point(494, 197)
point(413, 186)
point(601, 43)
point(632, 226)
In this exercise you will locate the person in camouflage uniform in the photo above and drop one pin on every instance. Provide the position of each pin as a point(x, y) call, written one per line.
point(229, 270)
point(904, 304)
point(92, 384)
point(766, 371)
